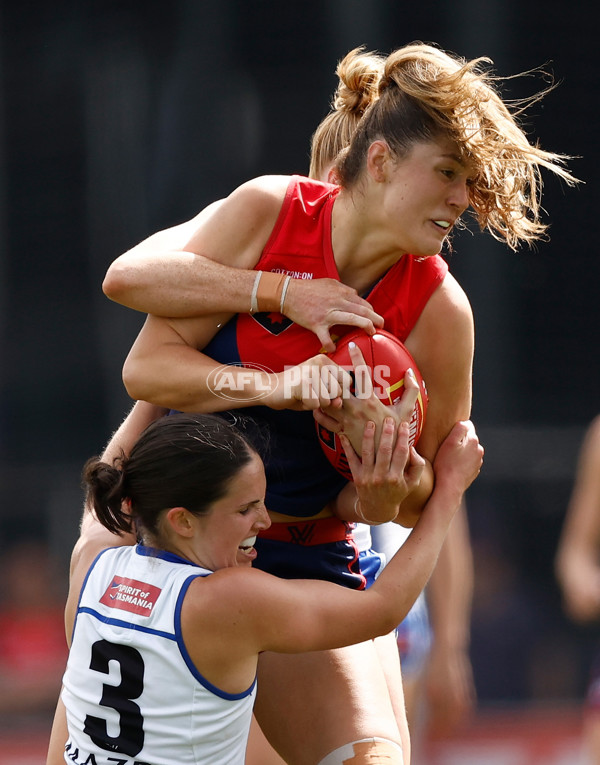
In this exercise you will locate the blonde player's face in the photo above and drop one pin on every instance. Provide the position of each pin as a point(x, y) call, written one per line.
point(425, 194)
point(227, 534)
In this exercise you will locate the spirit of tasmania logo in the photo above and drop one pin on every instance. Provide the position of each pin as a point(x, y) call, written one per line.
point(130, 595)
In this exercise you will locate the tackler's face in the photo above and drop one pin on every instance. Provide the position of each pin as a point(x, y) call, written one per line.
point(228, 532)
point(426, 193)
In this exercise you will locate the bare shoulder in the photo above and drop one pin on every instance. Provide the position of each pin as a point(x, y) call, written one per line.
point(442, 343)
point(445, 329)
point(220, 230)
point(231, 601)
point(261, 195)
point(229, 587)
point(256, 202)
point(93, 539)
point(235, 230)
point(265, 189)
point(449, 303)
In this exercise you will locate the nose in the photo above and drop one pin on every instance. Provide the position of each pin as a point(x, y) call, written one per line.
point(459, 196)
point(263, 521)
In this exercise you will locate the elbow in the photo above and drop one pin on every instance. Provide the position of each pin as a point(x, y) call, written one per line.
point(390, 624)
point(390, 610)
point(407, 517)
point(143, 382)
point(135, 381)
point(389, 620)
point(116, 285)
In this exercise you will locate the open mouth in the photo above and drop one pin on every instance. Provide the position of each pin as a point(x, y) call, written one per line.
point(444, 224)
point(247, 544)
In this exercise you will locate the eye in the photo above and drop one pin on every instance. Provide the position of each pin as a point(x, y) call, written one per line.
point(449, 173)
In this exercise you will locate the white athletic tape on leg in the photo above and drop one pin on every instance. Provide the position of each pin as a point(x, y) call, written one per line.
point(366, 751)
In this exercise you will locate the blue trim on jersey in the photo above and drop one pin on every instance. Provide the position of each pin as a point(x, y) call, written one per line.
point(85, 581)
point(186, 657)
point(126, 625)
point(155, 552)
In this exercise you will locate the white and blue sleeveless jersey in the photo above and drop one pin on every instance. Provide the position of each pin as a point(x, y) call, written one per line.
point(132, 693)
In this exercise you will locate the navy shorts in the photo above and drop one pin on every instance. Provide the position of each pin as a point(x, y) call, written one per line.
point(315, 549)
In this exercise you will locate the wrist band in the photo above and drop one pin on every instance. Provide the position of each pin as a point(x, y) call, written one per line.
point(357, 512)
point(286, 284)
point(268, 292)
point(253, 300)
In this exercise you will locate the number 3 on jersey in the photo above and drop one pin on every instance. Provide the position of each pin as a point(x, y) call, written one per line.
point(119, 697)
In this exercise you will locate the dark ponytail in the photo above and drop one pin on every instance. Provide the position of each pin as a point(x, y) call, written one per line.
point(104, 484)
point(183, 460)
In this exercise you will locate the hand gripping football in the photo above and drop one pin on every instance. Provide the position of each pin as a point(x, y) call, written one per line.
point(387, 360)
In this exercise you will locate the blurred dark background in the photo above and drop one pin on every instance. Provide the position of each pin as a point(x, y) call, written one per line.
point(120, 118)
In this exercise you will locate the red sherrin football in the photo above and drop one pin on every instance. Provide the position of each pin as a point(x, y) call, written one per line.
point(388, 360)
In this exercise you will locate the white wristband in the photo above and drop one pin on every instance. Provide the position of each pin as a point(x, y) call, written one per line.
point(357, 512)
point(253, 300)
point(286, 284)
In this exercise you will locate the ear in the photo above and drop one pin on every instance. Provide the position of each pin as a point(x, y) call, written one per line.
point(180, 521)
point(332, 176)
point(379, 161)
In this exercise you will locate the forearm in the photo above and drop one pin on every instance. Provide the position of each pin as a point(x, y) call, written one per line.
point(411, 567)
point(178, 284)
point(450, 589)
point(382, 607)
point(394, 592)
point(166, 276)
point(138, 418)
point(411, 508)
point(184, 379)
point(456, 466)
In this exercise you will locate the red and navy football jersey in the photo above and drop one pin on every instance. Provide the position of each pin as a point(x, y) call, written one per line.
point(300, 480)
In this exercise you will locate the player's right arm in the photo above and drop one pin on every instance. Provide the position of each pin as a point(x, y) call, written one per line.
point(205, 266)
point(166, 368)
point(259, 612)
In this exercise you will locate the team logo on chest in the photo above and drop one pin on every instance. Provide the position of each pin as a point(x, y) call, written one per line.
point(130, 595)
point(274, 323)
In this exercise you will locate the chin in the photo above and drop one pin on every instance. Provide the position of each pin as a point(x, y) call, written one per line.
point(427, 250)
point(434, 249)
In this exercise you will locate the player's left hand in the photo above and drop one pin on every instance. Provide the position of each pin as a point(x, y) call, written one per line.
point(356, 410)
point(320, 304)
point(386, 474)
